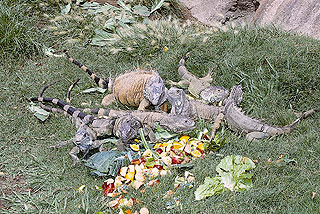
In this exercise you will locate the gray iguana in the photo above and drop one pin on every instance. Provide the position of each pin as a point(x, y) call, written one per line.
point(229, 112)
point(138, 88)
point(92, 129)
point(174, 123)
point(199, 87)
point(253, 128)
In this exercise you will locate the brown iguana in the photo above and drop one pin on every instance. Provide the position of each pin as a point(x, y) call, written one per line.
point(229, 112)
point(199, 87)
point(92, 129)
point(138, 88)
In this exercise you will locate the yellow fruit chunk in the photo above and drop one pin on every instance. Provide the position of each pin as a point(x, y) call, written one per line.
point(177, 145)
point(157, 145)
point(201, 146)
point(130, 176)
point(196, 153)
point(184, 138)
point(135, 147)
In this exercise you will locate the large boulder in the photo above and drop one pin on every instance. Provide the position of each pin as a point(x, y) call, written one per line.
point(301, 16)
point(210, 12)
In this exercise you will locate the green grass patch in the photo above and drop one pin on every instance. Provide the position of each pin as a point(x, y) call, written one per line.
point(279, 73)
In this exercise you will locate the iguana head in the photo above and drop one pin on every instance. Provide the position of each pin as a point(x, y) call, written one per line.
point(127, 127)
point(177, 98)
point(177, 123)
point(214, 94)
point(154, 90)
point(82, 139)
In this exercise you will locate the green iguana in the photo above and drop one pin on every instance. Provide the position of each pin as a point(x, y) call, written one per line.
point(229, 112)
point(138, 88)
point(199, 87)
point(91, 130)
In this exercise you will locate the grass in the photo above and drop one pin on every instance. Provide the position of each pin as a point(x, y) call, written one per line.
point(279, 73)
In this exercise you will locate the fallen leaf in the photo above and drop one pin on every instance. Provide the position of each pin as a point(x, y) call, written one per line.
point(269, 160)
point(40, 113)
point(90, 90)
point(313, 195)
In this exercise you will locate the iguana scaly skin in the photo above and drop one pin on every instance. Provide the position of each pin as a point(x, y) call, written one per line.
point(255, 129)
point(181, 105)
point(92, 129)
point(199, 87)
point(138, 88)
point(174, 123)
point(229, 112)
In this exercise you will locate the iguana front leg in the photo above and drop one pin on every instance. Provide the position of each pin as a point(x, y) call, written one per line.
point(208, 78)
point(73, 153)
point(61, 144)
point(98, 144)
point(144, 104)
point(182, 84)
point(216, 125)
point(108, 100)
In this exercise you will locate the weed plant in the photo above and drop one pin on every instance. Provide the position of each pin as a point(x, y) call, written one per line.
point(280, 76)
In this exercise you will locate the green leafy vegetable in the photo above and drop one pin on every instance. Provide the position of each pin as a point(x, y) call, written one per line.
point(232, 176)
point(161, 133)
point(210, 187)
point(108, 162)
point(216, 144)
point(40, 113)
point(145, 144)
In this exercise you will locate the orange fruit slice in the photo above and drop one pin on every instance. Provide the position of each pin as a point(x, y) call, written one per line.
point(135, 147)
point(177, 145)
point(196, 153)
point(184, 138)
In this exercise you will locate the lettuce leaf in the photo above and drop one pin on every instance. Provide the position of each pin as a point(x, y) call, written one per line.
point(210, 187)
point(231, 175)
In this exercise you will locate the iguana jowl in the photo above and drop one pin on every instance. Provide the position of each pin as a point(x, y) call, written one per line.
point(199, 87)
point(138, 88)
point(91, 129)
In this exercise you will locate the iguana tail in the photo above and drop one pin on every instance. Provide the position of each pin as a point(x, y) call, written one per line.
point(102, 83)
point(289, 128)
point(183, 59)
point(75, 113)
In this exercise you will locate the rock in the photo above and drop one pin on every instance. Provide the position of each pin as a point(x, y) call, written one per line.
point(301, 16)
point(210, 12)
